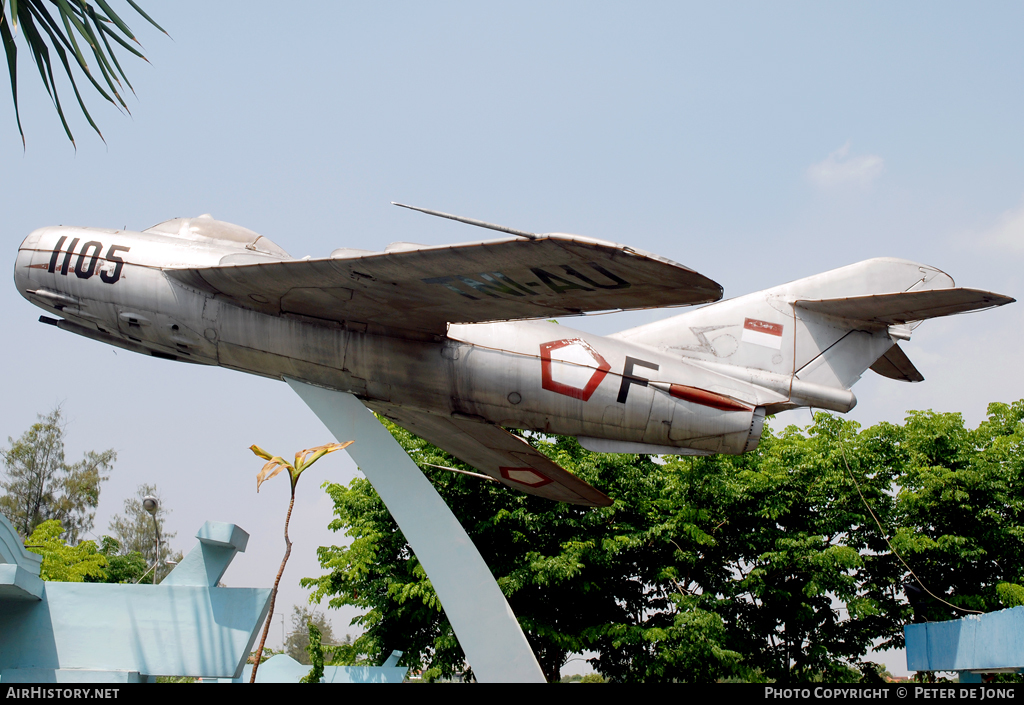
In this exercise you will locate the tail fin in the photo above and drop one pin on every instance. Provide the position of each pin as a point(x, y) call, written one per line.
point(822, 332)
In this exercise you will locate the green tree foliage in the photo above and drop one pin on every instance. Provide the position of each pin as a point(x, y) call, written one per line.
point(765, 566)
point(71, 29)
point(297, 643)
point(83, 562)
point(572, 575)
point(133, 531)
point(780, 546)
point(121, 567)
point(962, 510)
point(315, 653)
point(61, 562)
point(39, 485)
point(345, 653)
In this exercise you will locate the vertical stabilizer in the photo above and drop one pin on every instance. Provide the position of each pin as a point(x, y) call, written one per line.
point(819, 333)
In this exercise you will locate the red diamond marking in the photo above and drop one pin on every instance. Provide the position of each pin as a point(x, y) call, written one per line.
point(584, 393)
point(525, 476)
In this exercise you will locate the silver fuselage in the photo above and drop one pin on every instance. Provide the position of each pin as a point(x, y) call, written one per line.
point(112, 286)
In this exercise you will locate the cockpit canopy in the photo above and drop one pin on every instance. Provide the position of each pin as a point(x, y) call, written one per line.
point(205, 226)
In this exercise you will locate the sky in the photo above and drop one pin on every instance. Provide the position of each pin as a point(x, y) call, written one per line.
point(754, 142)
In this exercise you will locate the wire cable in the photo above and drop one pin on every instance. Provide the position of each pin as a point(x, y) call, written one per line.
point(881, 531)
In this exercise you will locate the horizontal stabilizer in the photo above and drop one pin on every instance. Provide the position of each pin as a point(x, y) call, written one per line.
point(423, 289)
point(902, 307)
point(895, 364)
point(494, 451)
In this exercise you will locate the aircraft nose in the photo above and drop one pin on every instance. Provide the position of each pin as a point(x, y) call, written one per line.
point(24, 261)
point(30, 242)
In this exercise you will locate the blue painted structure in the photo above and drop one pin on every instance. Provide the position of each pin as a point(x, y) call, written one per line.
point(284, 669)
point(19, 569)
point(984, 643)
point(53, 632)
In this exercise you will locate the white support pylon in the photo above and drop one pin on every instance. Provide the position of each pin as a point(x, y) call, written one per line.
point(484, 624)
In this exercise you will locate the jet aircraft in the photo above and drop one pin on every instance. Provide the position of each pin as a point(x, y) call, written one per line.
point(451, 342)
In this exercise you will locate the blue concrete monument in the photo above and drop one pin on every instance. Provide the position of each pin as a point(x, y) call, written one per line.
point(976, 644)
point(53, 632)
point(284, 669)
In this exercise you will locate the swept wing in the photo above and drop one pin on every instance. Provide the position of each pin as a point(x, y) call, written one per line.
point(496, 452)
point(426, 288)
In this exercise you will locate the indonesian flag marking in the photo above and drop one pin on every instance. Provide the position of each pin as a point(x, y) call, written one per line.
point(762, 333)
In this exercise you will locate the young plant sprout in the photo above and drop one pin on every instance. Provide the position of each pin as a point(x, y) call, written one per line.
point(275, 464)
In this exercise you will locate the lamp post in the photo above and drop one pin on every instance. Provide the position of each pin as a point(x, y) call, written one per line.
point(151, 504)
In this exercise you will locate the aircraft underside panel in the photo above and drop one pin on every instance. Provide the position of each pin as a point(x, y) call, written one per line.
point(497, 453)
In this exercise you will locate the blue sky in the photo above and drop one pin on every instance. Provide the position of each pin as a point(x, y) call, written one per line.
point(757, 143)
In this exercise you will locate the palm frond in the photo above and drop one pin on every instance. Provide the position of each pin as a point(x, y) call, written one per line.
point(79, 33)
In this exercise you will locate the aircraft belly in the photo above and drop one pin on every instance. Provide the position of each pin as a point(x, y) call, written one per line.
point(571, 383)
point(267, 364)
point(550, 378)
point(416, 372)
point(370, 366)
point(659, 422)
point(692, 421)
point(284, 337)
